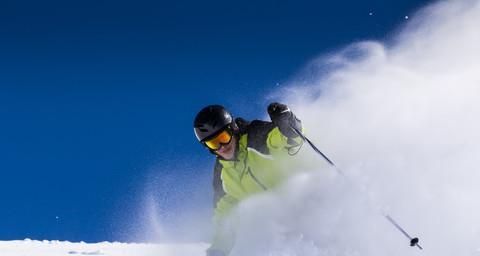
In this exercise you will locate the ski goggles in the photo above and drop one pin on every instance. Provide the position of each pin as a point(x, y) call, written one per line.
point(216, 142)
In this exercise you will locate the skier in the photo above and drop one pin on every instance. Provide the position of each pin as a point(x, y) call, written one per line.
point(248, 159)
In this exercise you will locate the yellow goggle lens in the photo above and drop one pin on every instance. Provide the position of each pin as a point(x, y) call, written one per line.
point(222, 138)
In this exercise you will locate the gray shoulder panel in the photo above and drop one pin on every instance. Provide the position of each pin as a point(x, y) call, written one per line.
point(218, 191)
point(257, 135)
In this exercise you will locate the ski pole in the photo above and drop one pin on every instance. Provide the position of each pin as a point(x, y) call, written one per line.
point(413, 241)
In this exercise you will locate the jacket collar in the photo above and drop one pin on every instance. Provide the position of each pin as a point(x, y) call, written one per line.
point(240, 153)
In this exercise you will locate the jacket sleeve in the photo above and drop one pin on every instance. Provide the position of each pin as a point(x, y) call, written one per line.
point(267, 138)
point(277, 143)
point(223, 204)
point(223, 237)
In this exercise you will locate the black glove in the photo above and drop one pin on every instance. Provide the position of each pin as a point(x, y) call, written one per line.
point(284, 119)
point(215, 253)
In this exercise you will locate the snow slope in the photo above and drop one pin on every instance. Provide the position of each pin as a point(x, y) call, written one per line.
point(29, 247)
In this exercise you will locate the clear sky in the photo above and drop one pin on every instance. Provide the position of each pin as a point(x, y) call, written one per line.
point(95, 93)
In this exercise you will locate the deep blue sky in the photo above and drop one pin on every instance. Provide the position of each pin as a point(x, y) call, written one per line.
point(97, 95)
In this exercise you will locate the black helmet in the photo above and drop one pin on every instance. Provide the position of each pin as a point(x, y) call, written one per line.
point(211, 120)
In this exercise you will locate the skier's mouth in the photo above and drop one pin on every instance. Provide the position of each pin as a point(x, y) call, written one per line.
point(225, 148)
point(227, 151)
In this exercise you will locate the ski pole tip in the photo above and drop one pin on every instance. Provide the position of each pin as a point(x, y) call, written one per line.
point(414, 242)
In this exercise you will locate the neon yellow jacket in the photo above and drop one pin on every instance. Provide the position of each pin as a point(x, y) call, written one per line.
point(261, 163)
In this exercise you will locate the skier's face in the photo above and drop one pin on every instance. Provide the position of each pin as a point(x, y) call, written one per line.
point(227, 151)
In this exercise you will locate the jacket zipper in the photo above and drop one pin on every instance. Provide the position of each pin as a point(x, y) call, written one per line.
point(256, 180)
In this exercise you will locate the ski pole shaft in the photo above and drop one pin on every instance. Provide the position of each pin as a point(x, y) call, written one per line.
point(317, 150)
point(413, 241)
